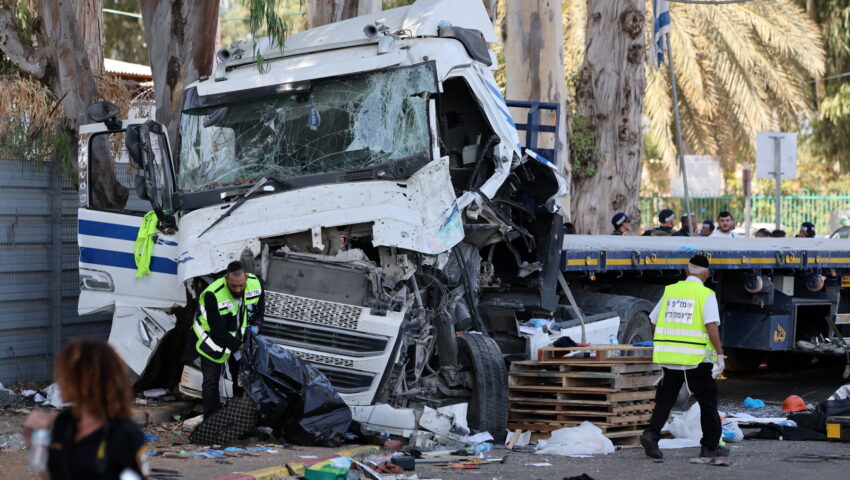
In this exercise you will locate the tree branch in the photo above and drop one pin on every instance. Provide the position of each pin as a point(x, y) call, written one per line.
point(30, 60)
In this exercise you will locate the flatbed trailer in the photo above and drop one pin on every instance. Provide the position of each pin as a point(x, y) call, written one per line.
point(776, 295)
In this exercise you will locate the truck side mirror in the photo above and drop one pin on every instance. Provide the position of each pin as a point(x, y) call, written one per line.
point(141, 187)
point(133, 142)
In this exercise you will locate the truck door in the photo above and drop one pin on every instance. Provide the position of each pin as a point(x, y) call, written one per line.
point(115, 193)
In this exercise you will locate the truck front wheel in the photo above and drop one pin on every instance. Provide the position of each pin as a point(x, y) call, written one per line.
point(488, 403)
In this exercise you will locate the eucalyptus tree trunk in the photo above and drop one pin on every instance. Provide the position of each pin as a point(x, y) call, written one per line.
point(533, 38)
point(181, 42)
point(90, 19)
point(609, 101)
point(322, 12)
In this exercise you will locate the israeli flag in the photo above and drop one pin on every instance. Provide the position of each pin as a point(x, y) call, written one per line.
point(660, 27)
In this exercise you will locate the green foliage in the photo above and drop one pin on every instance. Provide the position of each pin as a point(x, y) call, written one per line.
point(836, 107)
point(583, 151)
point(125, 35)
point(388, 4)
point(829, 141)
point(263, 16)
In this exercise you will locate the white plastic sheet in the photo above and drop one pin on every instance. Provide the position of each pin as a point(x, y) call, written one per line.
point(586, 439)
point(841, 393)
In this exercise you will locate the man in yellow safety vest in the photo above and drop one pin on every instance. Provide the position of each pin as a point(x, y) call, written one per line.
point(686, 343)
point(225, 310)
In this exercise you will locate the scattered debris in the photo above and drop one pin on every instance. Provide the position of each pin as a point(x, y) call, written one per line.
point(753, 403)
point(840, 394)
point(194, 421)
point(586, 439)
point(10, 399)
point(155, 393)
point(517, 439)
point(331, 469)
point(717, 462)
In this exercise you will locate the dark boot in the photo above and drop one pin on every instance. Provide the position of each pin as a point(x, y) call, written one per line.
point(717, 451)
point(649, 442)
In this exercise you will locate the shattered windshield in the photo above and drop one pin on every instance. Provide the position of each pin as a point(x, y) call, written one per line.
point(337, 124)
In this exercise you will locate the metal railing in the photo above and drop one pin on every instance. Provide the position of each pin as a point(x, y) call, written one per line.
point(795, 209)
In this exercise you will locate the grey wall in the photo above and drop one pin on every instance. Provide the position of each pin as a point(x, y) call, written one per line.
point(39, 284)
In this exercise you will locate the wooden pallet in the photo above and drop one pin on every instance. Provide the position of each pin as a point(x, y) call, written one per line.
point(618, 430)
point(537, 415)
point(613, 354)
point(614, 390)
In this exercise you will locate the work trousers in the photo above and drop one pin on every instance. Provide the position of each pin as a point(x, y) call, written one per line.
point(211, 372)
point(704, 388)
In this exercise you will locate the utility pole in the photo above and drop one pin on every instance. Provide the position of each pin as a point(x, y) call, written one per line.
point(679, 141)
point(777, 178)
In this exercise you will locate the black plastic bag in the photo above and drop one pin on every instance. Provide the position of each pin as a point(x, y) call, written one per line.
point(833, 408)
point(291, 395)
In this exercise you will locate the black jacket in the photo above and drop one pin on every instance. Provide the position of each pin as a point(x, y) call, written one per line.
point(220, 327)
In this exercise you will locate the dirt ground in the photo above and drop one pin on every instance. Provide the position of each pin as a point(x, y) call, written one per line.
point(754, 460)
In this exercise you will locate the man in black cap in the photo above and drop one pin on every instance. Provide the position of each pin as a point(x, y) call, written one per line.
point(683, 232)
point(225, 310)
point(686, 344)
point(707, 228)
point(622, 224)
point(665, 227)
point(807, 230)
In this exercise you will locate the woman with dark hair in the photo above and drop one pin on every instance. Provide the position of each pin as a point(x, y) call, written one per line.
point(94, 438)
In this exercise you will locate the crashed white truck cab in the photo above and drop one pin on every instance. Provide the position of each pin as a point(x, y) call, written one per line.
point(372, 175)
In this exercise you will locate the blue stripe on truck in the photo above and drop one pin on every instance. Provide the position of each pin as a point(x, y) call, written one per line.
point(112, 258)
point(109, 230)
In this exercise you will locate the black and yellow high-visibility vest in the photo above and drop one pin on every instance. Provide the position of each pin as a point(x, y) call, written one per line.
point(235, 318)
point(680, 334)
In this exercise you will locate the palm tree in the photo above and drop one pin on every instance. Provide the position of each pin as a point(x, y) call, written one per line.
point(740, 69)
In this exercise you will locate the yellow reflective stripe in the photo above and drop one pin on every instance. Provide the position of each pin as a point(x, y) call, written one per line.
point(682, 332)
point(686, 350)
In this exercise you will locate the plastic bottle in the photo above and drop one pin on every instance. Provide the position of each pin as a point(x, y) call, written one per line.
point(37, 458)
point(612, 340)
point(480, 447)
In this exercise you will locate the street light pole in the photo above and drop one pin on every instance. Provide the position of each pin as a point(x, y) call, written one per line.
point(679, 142)
point(777, 176)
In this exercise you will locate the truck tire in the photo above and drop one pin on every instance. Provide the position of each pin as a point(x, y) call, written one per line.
point(743, 360)
point(488, 402)
point(633, 312)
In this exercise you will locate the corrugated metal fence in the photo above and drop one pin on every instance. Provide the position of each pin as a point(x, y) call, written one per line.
point(39, 283)
point(795, 209)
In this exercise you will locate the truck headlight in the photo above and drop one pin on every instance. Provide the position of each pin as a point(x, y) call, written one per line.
point(97, 280)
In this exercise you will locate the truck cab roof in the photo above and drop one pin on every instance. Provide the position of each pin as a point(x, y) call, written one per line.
point(357, 39)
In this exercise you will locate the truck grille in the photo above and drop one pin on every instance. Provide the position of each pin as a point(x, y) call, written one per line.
point(326, 359)
point(346, 381)
point(324, 339)
point(318, 312)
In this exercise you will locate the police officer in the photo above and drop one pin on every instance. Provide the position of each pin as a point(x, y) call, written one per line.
point(686, 342)
point(665, 224)
point(807, 230)
point(226, 308)
point(621, 223)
